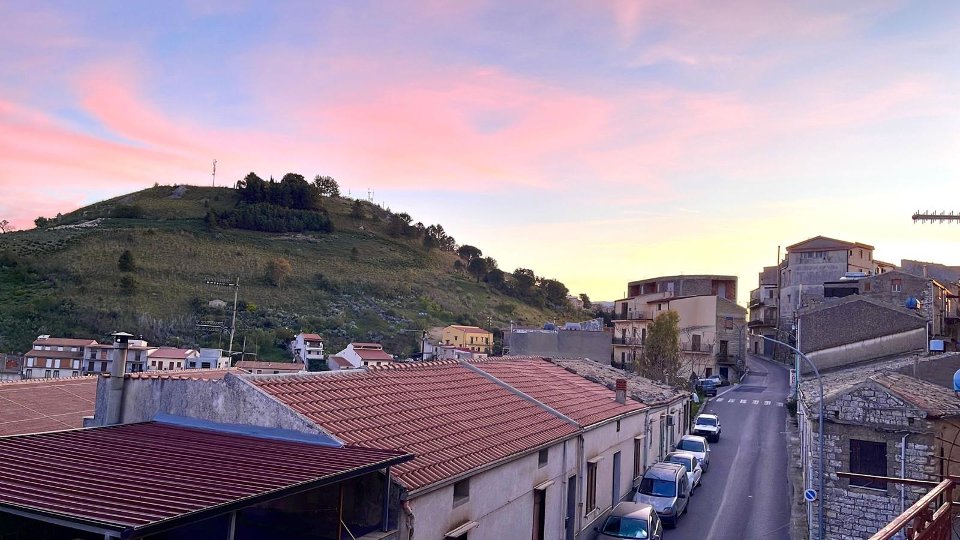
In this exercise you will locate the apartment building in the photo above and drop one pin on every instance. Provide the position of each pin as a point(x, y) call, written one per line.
point(98, 358)
point(712, 325)
point(307, 347)
point(472, 337)
point(764, 302)
point(53, 357)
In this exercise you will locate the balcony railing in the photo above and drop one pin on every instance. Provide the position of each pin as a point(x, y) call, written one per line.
point(930, 518)
point(628, 341)
point(762, 321)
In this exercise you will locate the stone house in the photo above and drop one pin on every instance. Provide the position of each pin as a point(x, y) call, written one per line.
point(857, 329)
point(763, 312)
point(935, 301)
point(878, 422)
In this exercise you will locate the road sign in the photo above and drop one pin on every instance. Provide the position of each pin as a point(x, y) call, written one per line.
point(810, 495)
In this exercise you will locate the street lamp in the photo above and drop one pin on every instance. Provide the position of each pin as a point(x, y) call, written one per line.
point(816, 372)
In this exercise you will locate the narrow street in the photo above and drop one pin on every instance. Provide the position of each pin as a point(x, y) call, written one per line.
point(745, 495)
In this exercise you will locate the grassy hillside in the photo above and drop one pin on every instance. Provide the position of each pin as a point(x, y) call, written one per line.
point(357, 283)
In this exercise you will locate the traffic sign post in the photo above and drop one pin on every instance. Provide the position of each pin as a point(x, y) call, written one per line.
point(810, 495)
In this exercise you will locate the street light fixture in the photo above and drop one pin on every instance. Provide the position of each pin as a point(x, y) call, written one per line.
point(816, 372)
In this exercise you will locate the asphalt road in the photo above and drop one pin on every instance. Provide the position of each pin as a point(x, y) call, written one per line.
point(746, 494)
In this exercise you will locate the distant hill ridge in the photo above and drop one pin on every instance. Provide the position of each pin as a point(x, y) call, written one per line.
point(307, 260)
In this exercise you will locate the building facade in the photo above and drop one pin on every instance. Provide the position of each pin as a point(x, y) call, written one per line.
point(307, 348)
point(53, 357)
point(472, 337)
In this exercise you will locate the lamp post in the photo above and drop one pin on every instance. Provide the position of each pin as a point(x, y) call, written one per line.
point(816, 372)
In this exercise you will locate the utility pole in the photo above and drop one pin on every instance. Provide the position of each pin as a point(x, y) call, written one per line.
point(934, 216)
point(236, 292)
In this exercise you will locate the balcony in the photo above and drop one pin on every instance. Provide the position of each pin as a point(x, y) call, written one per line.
point(726, 359)
point(762, 322)
point(628, 341)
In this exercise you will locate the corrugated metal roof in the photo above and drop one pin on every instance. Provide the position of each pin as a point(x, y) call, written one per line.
point(452, 418)
point(133, 477)
point(32, 406)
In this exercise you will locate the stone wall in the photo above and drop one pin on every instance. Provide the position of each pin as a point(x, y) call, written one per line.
point(868, 413)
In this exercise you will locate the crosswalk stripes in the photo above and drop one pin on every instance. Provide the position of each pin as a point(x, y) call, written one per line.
point(747, 402)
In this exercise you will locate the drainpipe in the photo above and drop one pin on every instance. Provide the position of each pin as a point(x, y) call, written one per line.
point(565, 475)
point(408, 513)
point(903, 471)
point(582, 473)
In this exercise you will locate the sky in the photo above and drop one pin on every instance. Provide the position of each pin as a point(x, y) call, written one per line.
point(595, 142)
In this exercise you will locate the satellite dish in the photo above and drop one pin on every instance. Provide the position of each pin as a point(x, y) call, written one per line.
point(956, 381)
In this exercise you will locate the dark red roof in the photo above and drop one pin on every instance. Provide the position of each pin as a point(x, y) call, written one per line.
point(312, 337)
point(97, 481)
point(32, 406)
point(572, 395)
point(369, 355)
point(451, 417)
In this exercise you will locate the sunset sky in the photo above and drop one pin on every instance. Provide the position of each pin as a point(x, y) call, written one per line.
point(594, 142)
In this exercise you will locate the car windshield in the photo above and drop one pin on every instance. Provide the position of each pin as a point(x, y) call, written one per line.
point(690, 446)
point(708, 382)
point(658, 488)
point(685, 461)
point(624, 527)
point(701, 421)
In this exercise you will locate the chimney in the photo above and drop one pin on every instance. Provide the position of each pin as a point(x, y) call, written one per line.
point(118, 357)
point(621, 391)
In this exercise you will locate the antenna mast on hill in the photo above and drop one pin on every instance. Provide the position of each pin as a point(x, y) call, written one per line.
point(214, 173)
point(932, 217)
point(233, 323)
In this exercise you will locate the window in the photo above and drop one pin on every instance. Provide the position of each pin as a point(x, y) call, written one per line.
point(637, 457)
point(543, 457)
point(30, 361)
point(74, 373)
point(643, 335)
point(866, 287)
point(695, 342)
point(623, 356)
point(868, 457)
point(38, 347)
point(46, 373)
point(205, 365)
point(29, 374)
point(73, 349)
point(56, 374)
point(896, 285)
point(659, 307)
point(618, 426)
point(60, 349)
point(171, 365)
point(461, 492)
point(591, 487)
point(90, 367)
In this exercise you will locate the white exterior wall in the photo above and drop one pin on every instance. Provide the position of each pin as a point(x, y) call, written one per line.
point(501, 500)
point(307, 353)
point(603, 442)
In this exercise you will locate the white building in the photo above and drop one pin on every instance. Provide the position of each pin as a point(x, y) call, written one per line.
point(505, 447)
point(307, 347)
point(358, 355)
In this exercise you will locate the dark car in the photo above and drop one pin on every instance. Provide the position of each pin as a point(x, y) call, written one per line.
point(708, 387)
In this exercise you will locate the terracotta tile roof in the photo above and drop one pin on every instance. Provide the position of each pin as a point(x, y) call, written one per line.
point(281, 366)
point(469, 329)
point(935, 400)
point(451, 417)
point(366, 354)
point(65, 342)
point(340, 361)
point(171, 352)
point(638, 388)
point(312, 337)
point(572, 395)
point(182, 374)
point(225, 471)
point(36, 405)
point(362, 344)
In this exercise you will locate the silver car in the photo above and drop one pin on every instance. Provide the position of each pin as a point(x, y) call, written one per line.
point(697, 446)
point(631, 520)
point(691, 464)
point(665, 487)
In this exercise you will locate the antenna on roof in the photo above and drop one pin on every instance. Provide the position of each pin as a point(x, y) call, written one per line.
point(214, 173)
point(934, 216)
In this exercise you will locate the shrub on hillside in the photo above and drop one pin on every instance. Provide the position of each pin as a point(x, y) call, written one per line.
point(277, 219)
point(127, 212)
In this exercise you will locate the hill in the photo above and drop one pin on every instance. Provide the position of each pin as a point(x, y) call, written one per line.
point(362, 281)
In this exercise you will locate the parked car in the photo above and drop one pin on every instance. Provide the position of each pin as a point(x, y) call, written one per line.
point(719, 380)
point(697, 446)
point(665, 487)
point(707, 426)
point(631, 520)
point(691, 464)
point(708, 387)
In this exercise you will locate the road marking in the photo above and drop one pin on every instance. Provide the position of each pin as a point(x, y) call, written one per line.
point(756, 402)
point(719, 399)
point(766, 402)
point(779, 404)
point(742, 401)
